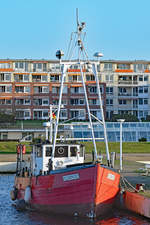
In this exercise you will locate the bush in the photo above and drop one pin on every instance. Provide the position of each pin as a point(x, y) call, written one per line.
point(143, 139)
point(127, 117)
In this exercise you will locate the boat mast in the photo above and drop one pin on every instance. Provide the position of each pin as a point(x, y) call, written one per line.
point(64, 69)
point(65, 66)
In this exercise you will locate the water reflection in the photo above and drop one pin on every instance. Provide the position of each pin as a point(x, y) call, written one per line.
point(10, 216)
point(116, 219)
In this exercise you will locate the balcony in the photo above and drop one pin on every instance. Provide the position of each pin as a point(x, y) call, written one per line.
point(128, 95)
point(127, 82)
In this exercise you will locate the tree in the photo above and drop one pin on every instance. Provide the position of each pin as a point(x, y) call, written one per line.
point(127, 117)
point(7, 118)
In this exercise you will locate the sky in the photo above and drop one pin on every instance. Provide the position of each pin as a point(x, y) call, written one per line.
point(35, 29)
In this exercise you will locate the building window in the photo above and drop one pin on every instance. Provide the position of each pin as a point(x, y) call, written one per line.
point(109, 90)
point(76, 90)
point(45, 101)
point(143, 101)
point(5, 65)
point(122, 102)
point(94, 113)
point(36, 78)
point(37, 101)
point(44, 78)
point(3, 136)
point(143, 89)
point(55, 90)
point(140, 67)
point(93, 101)
point(55, 67)
point(74, 101)
point(77, 114)
point(23, 114)
point(41, 89)
point(22, 102)
point(54, 78)
point(5, 89)
point(109, 101)
point(22, 89)
point(123, 66)
point(108, 66)
point(143, 78)
point(41, 101)
point(5, 77)
point(92, 89)
point(81, 101)
point(122, 90)
point(109, 78)
point(45, 114)
point(19, 65)
point(21, 78)
point(39, 67)
point(90, 78)
point(5, 101)
point(63, 114)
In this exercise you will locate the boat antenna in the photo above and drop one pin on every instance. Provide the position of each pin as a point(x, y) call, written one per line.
point(77, 18)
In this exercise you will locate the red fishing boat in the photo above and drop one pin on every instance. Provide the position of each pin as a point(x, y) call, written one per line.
point(57, 179)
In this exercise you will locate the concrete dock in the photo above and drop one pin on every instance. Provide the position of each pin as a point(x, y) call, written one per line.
point(8, 162)
point(8, 167)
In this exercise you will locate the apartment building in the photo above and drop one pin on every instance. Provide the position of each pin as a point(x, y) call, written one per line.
point(28, 87)
point(127, 87)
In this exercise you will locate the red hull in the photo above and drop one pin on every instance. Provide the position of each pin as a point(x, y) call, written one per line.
point(85, 191)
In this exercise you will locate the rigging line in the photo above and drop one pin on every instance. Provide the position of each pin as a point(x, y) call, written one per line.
point(125, 180)
point(85, 52)
point(83, 55)
point(70, 44)
point(68, 49)
point(71, 53)
point(84, 34)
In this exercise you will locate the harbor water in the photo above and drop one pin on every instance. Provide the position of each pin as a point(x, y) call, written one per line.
point(10, 216)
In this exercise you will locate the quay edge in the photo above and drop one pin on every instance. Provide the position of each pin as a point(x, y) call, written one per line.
point(134, 202)
point(8, 167)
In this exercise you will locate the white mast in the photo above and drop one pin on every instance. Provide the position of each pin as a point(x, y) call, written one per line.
point(64, 69)
point(102, 113)
point(65, 66)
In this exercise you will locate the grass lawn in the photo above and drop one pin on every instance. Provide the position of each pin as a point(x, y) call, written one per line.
point(128, 147)
point(145, 194)
point(9, 147)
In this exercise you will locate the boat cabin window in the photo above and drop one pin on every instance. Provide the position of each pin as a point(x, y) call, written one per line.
point(48, 151)
point(73, 151)
point(61, 151)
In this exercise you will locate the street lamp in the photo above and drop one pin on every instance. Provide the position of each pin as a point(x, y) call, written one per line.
point(98, 55)
point(121, 121)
